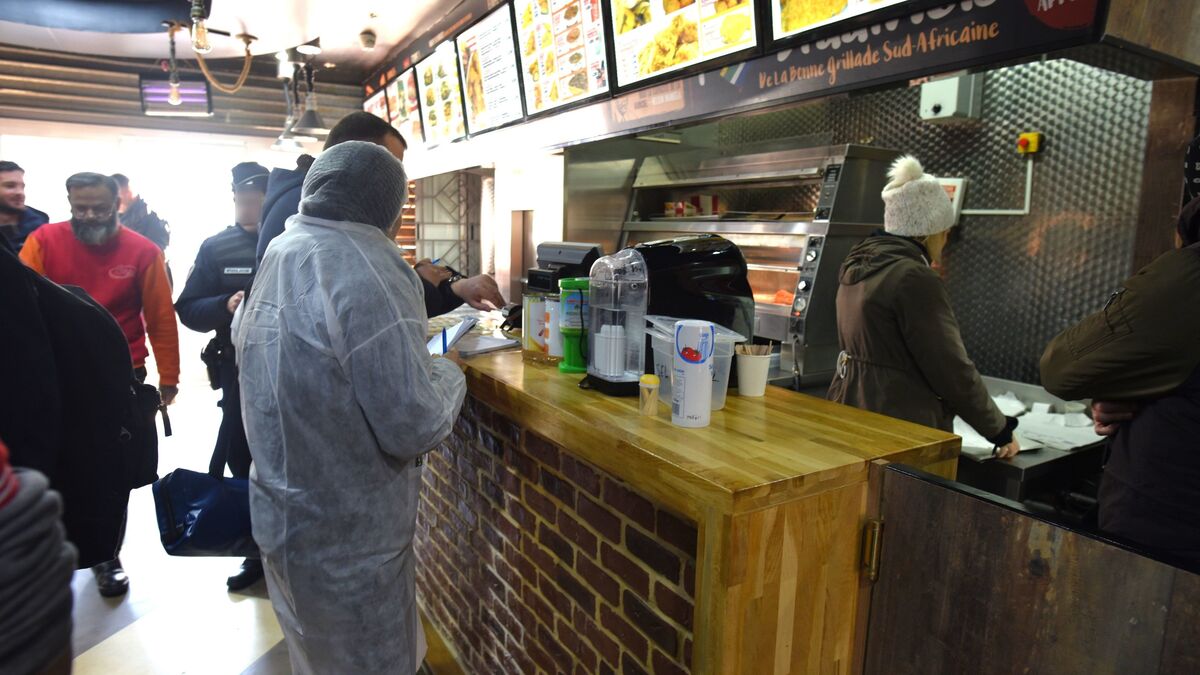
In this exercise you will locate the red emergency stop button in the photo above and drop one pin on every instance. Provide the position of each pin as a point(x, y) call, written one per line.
point(1029, 143)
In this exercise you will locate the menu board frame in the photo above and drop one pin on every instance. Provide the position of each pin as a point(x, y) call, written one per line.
point(703, 66)
point(409, 138)
point(425, 128)
point(510, 7)
point(610, 71)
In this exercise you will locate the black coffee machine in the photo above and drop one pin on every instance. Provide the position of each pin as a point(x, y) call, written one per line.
point(699, 277)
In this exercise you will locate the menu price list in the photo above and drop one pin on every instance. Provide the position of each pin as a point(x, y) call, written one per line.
point(563, 51)
point(791, 17)
point(489, 72)
point(441, 96)
point(660, 36)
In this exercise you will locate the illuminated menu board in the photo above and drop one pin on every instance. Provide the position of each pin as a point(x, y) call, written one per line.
point(792, 17)
point(402, 104)
point(564, 56)
point(660, 36)
point(488, 61)
point(441, 97)
point(376, 104)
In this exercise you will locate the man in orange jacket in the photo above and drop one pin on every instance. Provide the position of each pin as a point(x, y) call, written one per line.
point(124, 272)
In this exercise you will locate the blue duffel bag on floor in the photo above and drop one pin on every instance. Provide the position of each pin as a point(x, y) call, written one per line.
point(199, 515)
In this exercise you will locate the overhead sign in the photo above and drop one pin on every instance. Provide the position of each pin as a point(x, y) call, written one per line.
point(949, 37)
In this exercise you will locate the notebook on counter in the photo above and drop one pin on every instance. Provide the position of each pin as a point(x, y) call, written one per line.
point(447, 339)
point(476, 344)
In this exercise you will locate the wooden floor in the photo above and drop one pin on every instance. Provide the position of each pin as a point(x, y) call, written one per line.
point(178, 617)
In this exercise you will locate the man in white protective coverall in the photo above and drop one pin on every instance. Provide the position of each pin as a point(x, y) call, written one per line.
point(340, 398)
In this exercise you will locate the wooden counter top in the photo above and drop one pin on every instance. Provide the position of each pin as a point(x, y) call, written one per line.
point(756, 453)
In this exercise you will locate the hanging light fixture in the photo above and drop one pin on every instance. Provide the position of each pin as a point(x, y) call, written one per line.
point(310, 122)
point(200, 43)
point(292, 96)
point(202, 47)
point(173, 96)
point(310, 48)
point(292, 145)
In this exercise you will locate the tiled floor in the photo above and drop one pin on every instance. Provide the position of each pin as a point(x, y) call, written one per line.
point(178, 616)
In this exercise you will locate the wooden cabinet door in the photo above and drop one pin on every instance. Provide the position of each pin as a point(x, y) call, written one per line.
point(968, 583)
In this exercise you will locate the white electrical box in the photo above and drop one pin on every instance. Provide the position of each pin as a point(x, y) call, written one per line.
point(952, 100)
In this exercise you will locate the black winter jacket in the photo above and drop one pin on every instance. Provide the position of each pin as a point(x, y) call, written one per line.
point(1142, 346)
point(66, 380)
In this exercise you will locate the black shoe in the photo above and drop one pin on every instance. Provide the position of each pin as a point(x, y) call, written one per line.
point(247, 575)
point(111, 579)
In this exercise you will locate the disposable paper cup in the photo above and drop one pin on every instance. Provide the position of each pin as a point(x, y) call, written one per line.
point(1076, 415)
point(752, 374)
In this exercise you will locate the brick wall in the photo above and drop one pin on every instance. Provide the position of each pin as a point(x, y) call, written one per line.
point(530, 560)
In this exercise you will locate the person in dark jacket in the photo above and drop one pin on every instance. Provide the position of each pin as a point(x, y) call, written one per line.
point(444, 292)
point(17, 219)
point(137, 216)
point(63, 405)
point(214, 289)
point(902, 354)
point(1138, 358)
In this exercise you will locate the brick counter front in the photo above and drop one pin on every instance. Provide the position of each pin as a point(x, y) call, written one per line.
point(531, 560)
point(560, 531)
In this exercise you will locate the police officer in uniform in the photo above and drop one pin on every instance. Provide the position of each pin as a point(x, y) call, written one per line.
point(213, 292)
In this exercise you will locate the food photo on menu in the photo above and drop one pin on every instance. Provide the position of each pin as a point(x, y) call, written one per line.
point(473, 82)
point(796, 16)
point(659, 36)
point(377, 105)
point(403, 106)
point(563, 52)
point(412, 106)
point(393, 100)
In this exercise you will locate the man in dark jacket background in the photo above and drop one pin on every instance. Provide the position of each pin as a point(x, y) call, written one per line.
point(443, 292)
point(137, 216)
point(17, 219)
point(214, 289)
point(1138, 358)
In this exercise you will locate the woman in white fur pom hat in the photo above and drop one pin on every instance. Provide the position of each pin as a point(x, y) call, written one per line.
point(902, 354)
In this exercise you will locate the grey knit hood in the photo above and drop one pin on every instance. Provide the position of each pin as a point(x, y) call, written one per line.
point(355, 181)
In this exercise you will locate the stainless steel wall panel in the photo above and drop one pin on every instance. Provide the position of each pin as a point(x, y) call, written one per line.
point(1014, 281)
